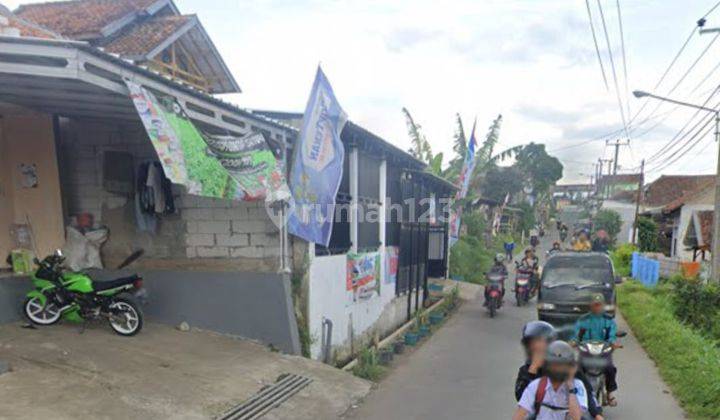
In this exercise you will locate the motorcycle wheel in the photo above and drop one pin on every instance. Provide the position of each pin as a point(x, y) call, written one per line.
point(41, 314)
point(493, 308)
point(133, 317)
point(518, 299)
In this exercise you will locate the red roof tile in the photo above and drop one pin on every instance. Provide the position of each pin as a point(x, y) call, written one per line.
point(141, 38)
point(80, 18)
point(26, 28)
point(668, 189)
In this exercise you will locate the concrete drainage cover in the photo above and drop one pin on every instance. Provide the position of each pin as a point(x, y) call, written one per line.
point(268, 398)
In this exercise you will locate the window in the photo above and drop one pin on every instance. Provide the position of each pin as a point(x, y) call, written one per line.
point(368, 202)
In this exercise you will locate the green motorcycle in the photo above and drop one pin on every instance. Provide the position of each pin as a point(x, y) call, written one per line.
point(77, 298)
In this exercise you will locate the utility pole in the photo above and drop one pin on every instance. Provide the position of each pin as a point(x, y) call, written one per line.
point(606, 189)
point(638, 199)
point(617, 145)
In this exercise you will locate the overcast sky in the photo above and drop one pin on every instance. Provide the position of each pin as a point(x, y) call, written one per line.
point(532, 61)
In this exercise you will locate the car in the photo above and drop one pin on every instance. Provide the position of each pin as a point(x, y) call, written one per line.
point(568, 281)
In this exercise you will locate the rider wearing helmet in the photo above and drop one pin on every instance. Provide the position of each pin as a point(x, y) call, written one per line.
point(599, 326)
point(557, 393)
point(536, 337)
point(555, 248)
point(499, 268)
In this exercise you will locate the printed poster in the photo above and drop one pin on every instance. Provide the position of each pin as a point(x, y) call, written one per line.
point(392, 263)
point(363, 275)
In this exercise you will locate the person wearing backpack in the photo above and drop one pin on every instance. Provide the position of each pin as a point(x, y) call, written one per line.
point(536, 336)
point(557, 395)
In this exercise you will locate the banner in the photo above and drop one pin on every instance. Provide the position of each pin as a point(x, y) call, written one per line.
point(240, 168)
point(463, 184)
point(252, 165)
point(392, 263)
point(363, 275)
point(317, 165)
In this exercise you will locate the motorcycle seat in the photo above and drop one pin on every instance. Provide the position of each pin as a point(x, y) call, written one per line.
point(100, 286)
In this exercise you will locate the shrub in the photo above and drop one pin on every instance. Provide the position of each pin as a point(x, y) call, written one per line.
point(622, 258)
point(687, 360)
point(368, 366)
point(647, 234)
point(697, 305)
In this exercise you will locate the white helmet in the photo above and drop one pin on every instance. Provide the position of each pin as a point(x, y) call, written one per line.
point(499, 257)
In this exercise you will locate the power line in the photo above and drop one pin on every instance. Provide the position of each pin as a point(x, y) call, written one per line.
point(624, 56)
point(612, 66)
point(597, 48)
point(698, 136)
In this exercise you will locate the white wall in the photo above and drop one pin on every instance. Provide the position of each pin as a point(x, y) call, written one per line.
point(329, 298)
point(681, 227)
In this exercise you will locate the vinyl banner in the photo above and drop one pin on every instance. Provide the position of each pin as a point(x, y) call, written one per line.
point(240, 168)
point(392, 263)
point(317, 165)
point(363, 275)
point(180, 146)
point(252, 165)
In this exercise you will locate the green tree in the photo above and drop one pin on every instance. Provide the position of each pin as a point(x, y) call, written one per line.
point(647, 235)
point(608, 220)
point(421, 148)
point(460, 149)
point(541, 169)
point(501, 181)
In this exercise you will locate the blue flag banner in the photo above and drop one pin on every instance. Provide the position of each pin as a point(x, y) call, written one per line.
point(317, 165)
point(463, 183)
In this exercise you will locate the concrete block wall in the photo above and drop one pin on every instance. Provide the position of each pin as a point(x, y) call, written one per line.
point(228, 229)
point(203, 228)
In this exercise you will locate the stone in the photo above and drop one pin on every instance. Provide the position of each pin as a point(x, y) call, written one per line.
point(183, 326)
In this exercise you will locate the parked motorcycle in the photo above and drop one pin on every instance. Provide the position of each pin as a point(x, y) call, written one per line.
point(494, 292)
point(77, 298)
point(563, 235)
point(522, 286)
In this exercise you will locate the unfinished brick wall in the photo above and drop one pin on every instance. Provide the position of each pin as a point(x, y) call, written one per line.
point(202, 228)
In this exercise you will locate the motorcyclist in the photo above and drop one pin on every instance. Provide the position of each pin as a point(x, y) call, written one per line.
point(555, 248)
point(498, 267)
point(582, 242)
point(530, 263)
point(599, 326)
point(557, 394)
point(601, 243)
point(536, 337)
point(563, 232)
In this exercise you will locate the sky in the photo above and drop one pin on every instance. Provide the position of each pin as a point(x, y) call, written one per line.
point(533, 61)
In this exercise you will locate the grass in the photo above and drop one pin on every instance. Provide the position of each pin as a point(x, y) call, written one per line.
point(688, 362)
point(368, 366)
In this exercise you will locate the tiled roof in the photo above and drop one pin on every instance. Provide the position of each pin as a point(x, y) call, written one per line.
point(26, 28)
point(80, 18)
point(668, 189)
point(140, 38)
point(706, 226)
point(626, 195)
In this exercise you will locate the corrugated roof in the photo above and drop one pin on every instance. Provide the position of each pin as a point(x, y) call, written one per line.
point(80, 18)
point(140, 38)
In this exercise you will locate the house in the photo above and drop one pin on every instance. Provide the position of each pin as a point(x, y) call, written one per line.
point(675, 201)
point(72, 148)
point(610, 185)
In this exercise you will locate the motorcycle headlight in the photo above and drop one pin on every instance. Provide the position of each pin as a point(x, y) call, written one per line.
point(607, 349)
point(609, 308)
point(546, 306)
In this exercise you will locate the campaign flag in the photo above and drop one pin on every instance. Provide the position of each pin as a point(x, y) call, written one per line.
point(317, 165)
point(463, 184)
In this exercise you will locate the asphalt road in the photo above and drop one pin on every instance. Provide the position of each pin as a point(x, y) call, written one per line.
point(467, 371)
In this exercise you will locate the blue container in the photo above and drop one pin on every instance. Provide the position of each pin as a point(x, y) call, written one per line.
point(436, 318)
point(411, 339)
point(424, 331)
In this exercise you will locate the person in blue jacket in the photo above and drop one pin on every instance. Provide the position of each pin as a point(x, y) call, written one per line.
point(599, 326)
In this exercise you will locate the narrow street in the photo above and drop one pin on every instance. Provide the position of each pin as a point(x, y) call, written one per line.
point(467, 371)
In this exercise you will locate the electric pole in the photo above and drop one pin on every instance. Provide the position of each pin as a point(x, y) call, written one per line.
point(638, 199)
point(617, 145)
point(606, 189)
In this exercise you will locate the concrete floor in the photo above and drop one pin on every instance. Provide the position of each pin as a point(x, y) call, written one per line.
point(162, 373)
